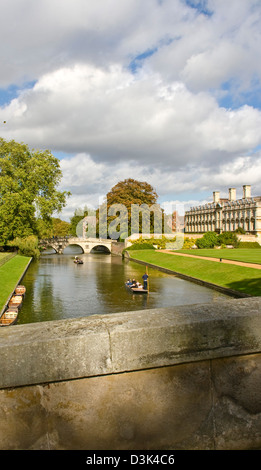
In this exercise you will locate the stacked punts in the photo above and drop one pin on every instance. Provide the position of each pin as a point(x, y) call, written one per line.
point(10, 315)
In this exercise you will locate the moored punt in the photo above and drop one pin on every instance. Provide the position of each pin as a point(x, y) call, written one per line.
point(9, 317)
point(20, 290)
point(136, 290)
point(15, 301)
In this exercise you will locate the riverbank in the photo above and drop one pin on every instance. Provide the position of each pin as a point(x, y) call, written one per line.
point(242, 255)
point(241, 279)
point(11, 272)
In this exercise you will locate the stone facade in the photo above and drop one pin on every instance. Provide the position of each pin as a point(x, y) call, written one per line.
point(226, 215)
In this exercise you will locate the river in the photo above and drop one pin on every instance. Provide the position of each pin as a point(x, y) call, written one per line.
point(56, 288)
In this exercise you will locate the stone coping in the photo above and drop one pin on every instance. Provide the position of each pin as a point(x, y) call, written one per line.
point(107, 344)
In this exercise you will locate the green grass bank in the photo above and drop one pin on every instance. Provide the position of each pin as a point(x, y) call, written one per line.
point(11, 272)
point(239, 278)
point(244, 255)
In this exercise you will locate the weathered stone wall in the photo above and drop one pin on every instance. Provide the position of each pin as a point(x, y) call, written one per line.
point(117, 248)
point(178, 378)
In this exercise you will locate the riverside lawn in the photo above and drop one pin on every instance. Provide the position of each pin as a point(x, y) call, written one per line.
point(246, 255)
point(243, 279)
point(10, 274)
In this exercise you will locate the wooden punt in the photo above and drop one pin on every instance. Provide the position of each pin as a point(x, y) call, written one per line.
point(15, 301)
point(136, 290)
point(9, 317)
point(20, 290)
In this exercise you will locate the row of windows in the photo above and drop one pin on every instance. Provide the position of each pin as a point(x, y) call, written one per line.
point(224, 220)
point(225, 215)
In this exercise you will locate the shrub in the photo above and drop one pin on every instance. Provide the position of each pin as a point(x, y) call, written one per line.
point(188, 243)
point(209, 240)
point(141, 246)
point(228, 238)
point(240, 230)
point(27, 246)
point(160, 243)
point(252, 245)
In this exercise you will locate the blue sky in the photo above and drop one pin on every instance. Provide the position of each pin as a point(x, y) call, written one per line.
point(234, 97)
point(201, 7)
point(166, 91)
point(7, 95)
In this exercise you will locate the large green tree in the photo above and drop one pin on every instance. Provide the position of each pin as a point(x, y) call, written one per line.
point(56, 228)
point(76, 227)
point(28, 189)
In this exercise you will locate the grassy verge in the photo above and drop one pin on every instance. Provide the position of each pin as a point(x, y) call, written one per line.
point(4, 257)
point(239, 278)
point(245, 255)
point(10, 273)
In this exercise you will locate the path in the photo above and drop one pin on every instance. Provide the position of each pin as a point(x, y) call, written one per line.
point(228, 261)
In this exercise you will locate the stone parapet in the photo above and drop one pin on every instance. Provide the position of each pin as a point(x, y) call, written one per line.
point(122, 342)
point(182, 378)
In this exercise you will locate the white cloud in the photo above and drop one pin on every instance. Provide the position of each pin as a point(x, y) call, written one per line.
point(163, 123)
point(89, 181)
point(212, 50)
point(115, 116)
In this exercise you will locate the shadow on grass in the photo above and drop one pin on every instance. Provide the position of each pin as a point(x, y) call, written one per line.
point(248, 286)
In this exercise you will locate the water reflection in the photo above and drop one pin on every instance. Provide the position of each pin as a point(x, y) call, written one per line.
point(57, 288)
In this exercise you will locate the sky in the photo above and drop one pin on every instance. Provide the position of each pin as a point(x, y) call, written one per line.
point(163, 91)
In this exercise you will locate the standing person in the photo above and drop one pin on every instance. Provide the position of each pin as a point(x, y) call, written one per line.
point(145, 280)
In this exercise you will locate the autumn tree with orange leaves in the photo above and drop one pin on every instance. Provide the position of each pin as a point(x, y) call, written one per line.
point(131, 204)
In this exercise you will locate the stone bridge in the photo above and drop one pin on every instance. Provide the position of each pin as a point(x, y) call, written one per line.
point(87, 244)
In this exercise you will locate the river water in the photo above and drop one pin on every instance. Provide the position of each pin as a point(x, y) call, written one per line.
point(57, 288)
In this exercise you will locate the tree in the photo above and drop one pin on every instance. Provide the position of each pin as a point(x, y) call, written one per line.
point(209, 240)
point(28, 189)
point(130, 191)
point(56, 228)
point(124, 203)
point(76, 227)
point(228, 238)
point(60, 228)
point(27, 246)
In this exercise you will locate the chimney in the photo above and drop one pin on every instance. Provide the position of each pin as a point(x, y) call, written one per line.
point(216, 196)
point(232, 194)
point(246, 191)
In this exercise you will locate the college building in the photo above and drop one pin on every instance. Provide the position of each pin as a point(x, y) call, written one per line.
point(226, 215)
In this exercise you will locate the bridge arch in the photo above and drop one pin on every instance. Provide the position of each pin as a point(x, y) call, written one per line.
point(46, 249)
point(87, 245)
point(67, 248)
point(99, 248)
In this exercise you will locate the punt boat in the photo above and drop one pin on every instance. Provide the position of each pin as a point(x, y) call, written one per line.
point(20, 290)
point(15, 301)
point(9, 317)
point(136, 290)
